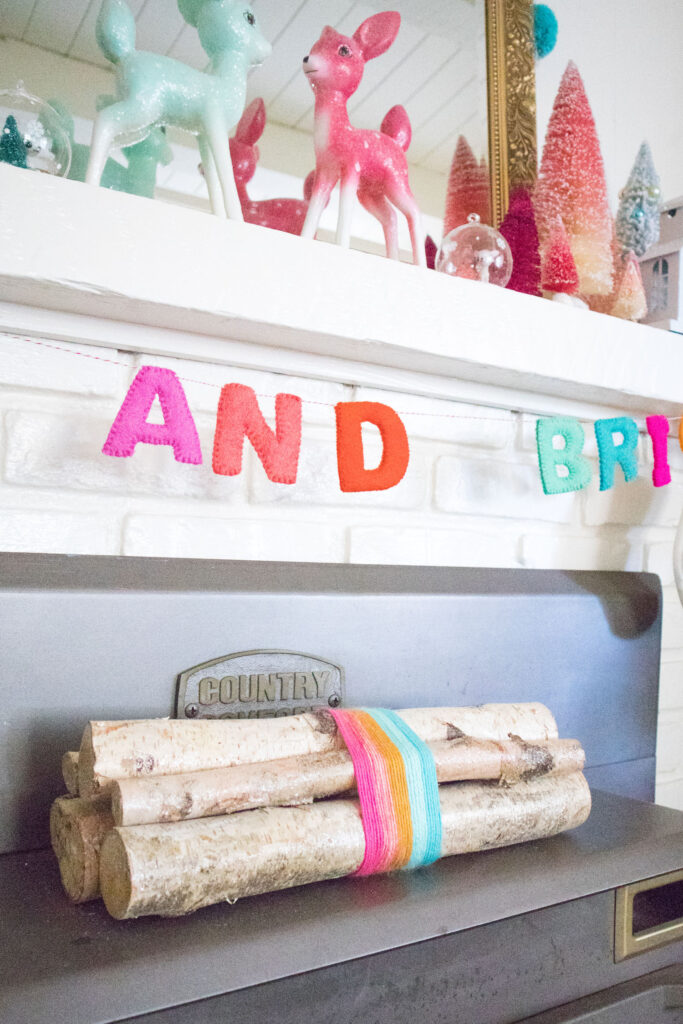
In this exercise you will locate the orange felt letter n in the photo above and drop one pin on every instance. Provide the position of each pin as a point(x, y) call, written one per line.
point(353, 476)
point(239, 416)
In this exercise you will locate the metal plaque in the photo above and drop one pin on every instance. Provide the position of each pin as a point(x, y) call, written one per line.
point(259, 684)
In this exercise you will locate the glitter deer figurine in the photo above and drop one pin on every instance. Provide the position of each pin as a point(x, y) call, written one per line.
point(153, 91)
point(368, 164)
point(280, 214)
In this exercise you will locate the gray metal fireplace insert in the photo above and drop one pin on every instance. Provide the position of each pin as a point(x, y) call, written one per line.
point(552, 931)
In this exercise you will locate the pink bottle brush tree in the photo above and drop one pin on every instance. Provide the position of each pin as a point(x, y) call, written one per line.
point(468, 188)
point(572, 185)
point(519, 228)
point(559, 275)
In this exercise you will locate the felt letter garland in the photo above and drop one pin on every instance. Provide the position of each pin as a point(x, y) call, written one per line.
point(658, 429)
point(577, 468)
point(612, 453)
point(353, 476)
point(239, 416)
point(131, 427)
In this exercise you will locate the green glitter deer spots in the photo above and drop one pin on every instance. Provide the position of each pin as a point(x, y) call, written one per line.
point(153, 91)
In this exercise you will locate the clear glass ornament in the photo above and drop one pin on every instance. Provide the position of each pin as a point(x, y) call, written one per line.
point(28, 120)
point(476, 251)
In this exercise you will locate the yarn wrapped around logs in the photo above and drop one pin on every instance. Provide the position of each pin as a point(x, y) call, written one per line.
point(154, 828)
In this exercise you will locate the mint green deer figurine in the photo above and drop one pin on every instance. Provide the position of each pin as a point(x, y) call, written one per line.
point(139, 176)
point(153, 91)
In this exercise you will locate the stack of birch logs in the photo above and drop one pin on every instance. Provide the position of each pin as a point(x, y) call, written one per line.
point(167, 816)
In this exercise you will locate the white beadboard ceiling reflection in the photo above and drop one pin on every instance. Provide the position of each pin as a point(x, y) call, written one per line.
point(437, 72)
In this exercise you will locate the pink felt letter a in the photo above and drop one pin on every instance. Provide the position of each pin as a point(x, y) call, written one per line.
point(239, 416)
point(131, 427)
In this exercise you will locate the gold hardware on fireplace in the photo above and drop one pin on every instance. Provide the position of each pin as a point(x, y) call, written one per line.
point(648, 914)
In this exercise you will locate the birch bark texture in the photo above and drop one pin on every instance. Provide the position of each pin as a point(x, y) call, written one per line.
point(151, 747)
point(174, 869)
point(298, 780)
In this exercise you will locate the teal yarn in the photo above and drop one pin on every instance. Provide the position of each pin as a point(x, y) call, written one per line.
point(545, 30)
point(423, 786)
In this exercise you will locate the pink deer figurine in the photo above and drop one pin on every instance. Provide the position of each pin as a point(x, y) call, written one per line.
point(281, 214)
point(371, 165)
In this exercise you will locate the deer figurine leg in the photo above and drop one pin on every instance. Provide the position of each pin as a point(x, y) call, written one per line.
point(347, 197)
point(322, 190)
point(211, 177)
point(404, 201)
point(107, 126)
point(382, 209)
point(217, 138)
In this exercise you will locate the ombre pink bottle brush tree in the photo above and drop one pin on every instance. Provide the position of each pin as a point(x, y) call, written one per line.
point(571, 185)
point(370, 165)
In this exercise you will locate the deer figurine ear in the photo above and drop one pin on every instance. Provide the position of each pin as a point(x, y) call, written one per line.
point(252, 123)
point(190, 10)
point(377, 33)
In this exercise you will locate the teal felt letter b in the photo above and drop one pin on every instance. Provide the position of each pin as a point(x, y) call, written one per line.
point(577, 470)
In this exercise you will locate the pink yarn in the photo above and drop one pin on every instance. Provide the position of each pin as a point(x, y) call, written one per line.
point(131, 427)
point(374, 794)
point(658, 429)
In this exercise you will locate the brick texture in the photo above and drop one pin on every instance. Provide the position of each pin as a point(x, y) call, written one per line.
point(472, 494)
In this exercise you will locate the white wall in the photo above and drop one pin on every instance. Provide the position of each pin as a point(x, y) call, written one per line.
point(471, 495)
point(630, 55)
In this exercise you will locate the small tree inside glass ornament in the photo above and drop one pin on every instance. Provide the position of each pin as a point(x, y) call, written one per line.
point(40, 129)
point(476, 251)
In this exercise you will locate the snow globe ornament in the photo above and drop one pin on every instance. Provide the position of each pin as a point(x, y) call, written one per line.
point(32, 134)
point(476, 251)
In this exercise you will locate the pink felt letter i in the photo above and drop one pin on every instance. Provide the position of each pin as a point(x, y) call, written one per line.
point(131, 427)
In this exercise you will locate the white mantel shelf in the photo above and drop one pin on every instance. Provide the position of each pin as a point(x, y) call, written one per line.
point(81, 264)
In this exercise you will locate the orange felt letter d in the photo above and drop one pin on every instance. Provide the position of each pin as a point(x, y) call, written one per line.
point(396, 454)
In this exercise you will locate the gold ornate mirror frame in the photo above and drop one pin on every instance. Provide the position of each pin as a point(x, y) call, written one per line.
point(511, 80)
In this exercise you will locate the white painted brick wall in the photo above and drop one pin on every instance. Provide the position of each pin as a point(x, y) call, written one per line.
point(472, 494)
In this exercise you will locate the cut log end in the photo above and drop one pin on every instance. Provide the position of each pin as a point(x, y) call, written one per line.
point(77, 829)
point(87, 785)
point(70, 772)
point(115, 877)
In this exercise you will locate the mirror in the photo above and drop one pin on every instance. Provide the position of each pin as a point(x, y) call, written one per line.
point(450, 67)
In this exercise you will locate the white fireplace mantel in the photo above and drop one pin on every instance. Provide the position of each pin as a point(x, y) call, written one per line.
point(87, 265)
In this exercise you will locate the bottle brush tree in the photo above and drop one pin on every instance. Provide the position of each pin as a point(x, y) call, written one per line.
point(638, 214)
point(558, 270)
point(519, 228)
point(572, 185)
point(468, 188)
point(630, 302)
point(12, 148)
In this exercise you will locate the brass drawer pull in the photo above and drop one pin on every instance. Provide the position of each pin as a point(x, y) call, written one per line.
point(648, 914)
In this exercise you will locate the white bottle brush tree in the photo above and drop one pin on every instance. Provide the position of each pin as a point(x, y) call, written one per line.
point(638, 215)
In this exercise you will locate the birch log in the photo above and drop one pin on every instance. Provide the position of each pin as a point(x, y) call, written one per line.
point(173, 869)
point(70, 772)
point(77, 828)
point(297, 780)
point(119, 750)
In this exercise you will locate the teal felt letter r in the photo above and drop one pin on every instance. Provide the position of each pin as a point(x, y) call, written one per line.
point(563, 469)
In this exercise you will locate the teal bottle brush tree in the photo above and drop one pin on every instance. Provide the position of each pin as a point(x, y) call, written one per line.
point(12, 146)
point(154, 91)
point(638, 214)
